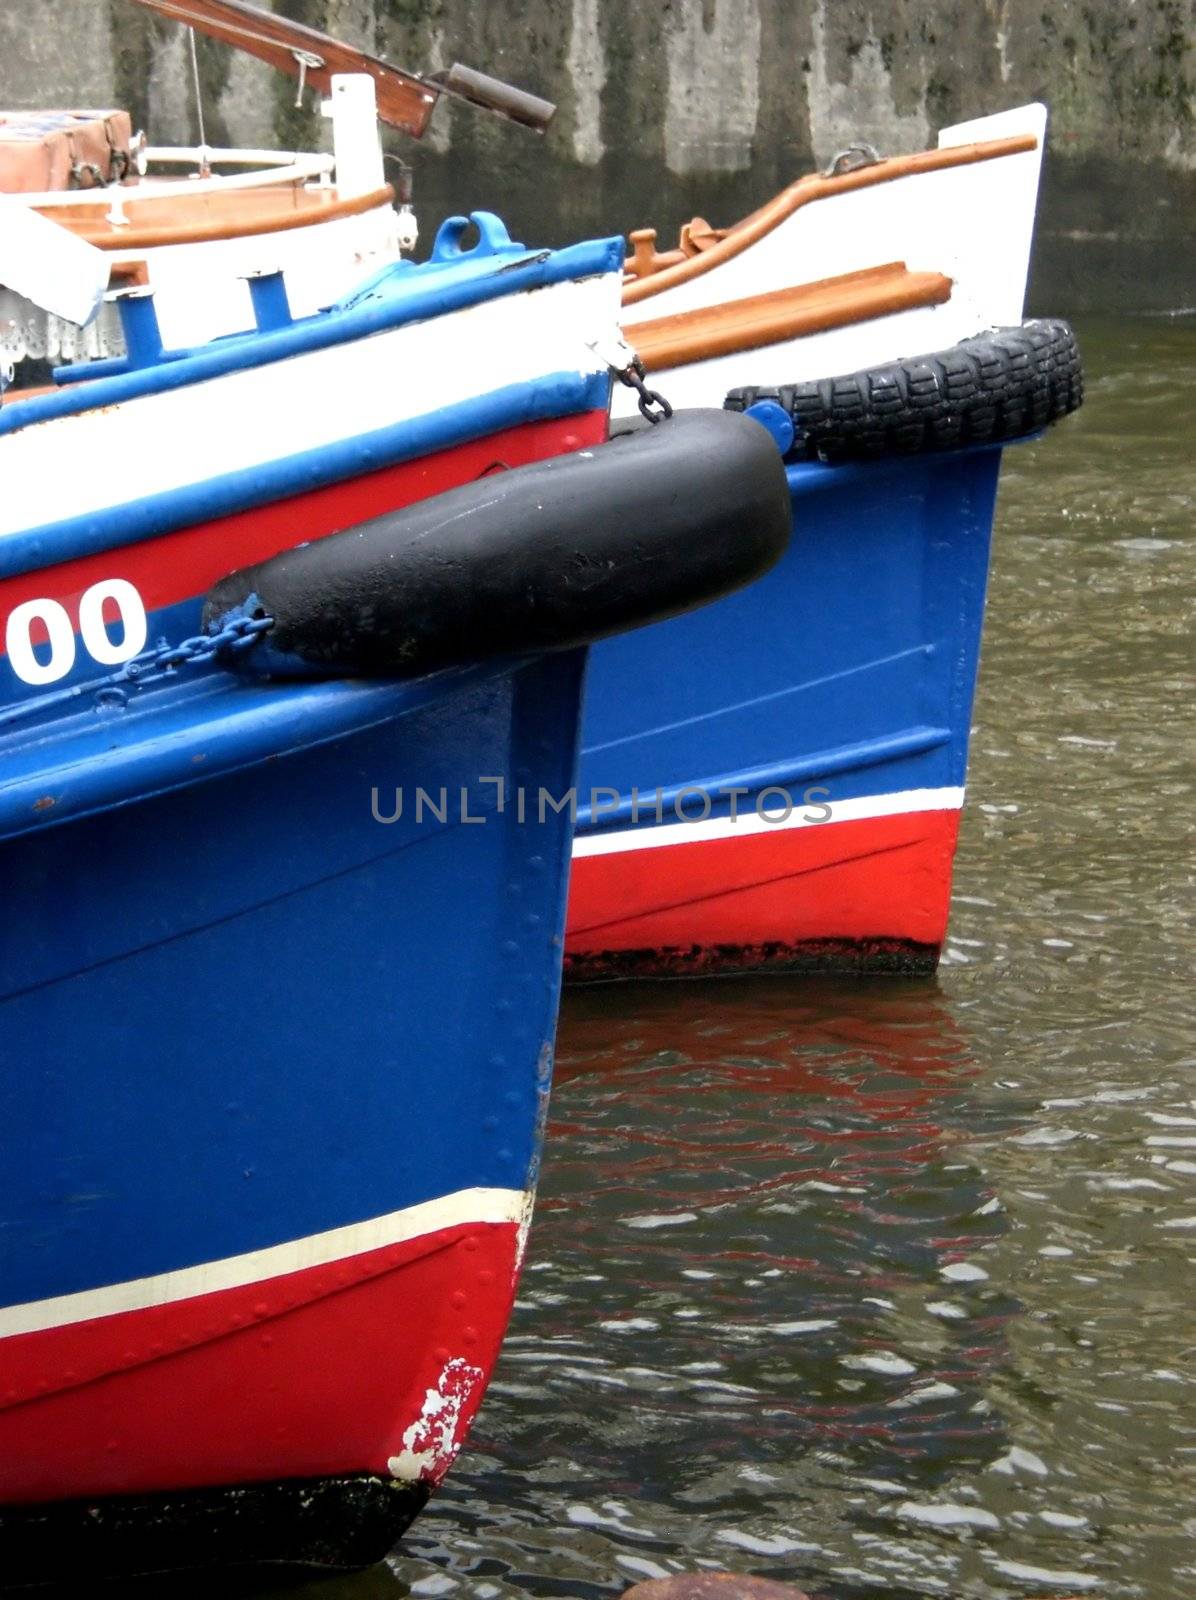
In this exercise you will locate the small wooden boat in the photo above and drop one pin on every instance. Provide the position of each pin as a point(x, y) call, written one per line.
point(778, 781)
point(873, 260)
point(280, 961)
point(195, 221)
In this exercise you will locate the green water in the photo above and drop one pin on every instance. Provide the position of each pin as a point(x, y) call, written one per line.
point(888, 1288)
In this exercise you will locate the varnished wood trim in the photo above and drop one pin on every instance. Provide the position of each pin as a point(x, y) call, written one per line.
point(804, 192)
point(13, 397)
point(765, 319)
point(128, 275)
point(233, 214)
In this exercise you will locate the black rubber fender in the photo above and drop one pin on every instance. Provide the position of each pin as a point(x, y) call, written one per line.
point(542, 557)
point(990, 389)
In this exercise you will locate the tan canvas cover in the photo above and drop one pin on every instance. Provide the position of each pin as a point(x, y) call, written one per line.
point(44, 150)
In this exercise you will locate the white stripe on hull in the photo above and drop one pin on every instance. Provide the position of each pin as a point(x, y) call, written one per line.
point(246, 418)
point(465, 1207)
point(748, 823)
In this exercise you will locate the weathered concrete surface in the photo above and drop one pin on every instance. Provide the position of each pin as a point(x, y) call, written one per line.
point(63, 59)
point(672, 107)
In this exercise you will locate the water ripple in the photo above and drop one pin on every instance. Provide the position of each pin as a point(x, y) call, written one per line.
point(887, 1287)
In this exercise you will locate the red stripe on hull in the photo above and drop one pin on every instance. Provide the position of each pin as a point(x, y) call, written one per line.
point(881, 883)
point(310, 1374)
point(178, 565)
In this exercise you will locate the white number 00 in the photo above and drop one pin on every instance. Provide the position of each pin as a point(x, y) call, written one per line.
point(60, 633)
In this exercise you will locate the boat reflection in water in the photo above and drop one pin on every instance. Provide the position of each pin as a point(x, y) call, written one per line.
point(754, 1322)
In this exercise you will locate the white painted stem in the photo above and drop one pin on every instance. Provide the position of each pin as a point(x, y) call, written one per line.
point(353, 111)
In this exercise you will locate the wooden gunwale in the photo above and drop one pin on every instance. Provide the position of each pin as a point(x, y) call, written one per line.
point(804, 192)
point(236, 214)
point(765, 319)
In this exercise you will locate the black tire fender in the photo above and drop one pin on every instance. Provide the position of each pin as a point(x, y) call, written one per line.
point(990, 389)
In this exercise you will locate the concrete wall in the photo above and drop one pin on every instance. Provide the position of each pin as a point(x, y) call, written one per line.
point(674, 107)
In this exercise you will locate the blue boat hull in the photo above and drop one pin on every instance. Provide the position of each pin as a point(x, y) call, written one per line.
point(777, 779)
point(268, 1157)
point(278, 968)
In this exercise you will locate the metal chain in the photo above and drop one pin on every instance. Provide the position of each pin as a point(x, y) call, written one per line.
point(235, 637)
point(150, 666)
point(620, 359)
point(653, 405)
